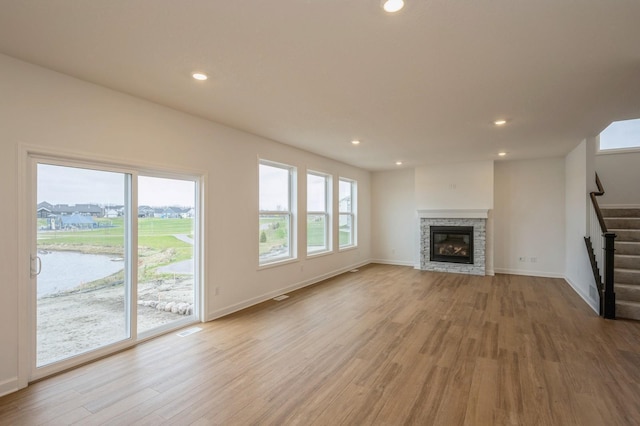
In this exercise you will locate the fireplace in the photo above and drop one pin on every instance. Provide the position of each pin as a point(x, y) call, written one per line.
point(451, 244)
point(471, 219)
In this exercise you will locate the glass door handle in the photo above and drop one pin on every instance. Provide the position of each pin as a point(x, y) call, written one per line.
point(38, 266)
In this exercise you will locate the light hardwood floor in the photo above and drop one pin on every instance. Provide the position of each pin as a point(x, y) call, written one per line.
point(388, 345)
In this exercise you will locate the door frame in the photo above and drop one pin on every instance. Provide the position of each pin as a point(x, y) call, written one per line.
point(28, 156)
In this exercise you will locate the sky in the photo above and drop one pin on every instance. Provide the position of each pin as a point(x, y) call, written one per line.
point(72, 185)
point(274, 188)
point(621, 134)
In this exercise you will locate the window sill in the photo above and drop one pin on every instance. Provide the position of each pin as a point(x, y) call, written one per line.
point(617, 151)
point(319, 254)
point(277, 263)
point(347, 248)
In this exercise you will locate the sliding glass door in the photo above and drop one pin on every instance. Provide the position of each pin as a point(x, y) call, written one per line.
point(114, 259)
point(166, 237)
point(83, 286)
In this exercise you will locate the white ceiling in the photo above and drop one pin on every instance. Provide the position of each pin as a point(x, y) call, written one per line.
point(421, 86)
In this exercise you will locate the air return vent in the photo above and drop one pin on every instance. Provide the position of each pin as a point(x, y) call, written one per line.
point(188, 331)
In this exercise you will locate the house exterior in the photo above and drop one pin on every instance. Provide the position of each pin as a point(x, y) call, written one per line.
point(76, 221)
point(46, 209)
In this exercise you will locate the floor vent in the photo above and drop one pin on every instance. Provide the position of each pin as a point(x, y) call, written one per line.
point(188, 331)
point(281, 297)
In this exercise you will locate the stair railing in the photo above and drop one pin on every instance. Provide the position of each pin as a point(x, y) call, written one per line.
point(603, 243)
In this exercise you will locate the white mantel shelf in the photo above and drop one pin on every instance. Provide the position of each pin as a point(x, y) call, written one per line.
point(453, 214)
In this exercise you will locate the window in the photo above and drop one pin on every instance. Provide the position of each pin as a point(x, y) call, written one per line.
point(347, 201)
point(318, 223)
point(621, 135)
point(276, 224)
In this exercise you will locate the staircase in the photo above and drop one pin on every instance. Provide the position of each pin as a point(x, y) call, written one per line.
point(625, 223)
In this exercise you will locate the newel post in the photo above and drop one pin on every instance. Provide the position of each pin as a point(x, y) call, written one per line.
point(609, 294)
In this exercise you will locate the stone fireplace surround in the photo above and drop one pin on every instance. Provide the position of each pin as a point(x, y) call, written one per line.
point(466, 217)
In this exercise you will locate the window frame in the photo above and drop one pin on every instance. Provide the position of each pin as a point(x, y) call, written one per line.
point(618, 150)
point(351, 214)
point(31, 156)
point(328, 247)
point(289, 214)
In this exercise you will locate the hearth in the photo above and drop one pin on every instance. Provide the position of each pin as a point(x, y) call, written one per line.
point(451, 244)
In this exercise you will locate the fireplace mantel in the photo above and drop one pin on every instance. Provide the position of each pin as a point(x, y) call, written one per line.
point(453, 214)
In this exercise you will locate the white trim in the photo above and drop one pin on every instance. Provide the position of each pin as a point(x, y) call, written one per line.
point(629, 150)
point(119, 164)
point(270, 295)
point(394, 262)
point(25, 228)
point(590, 302)
point(620, 206)
point(454, 214)
point(8, 386)
point(274, 263)
point(313, 255)
point(540, 274)
point(347, 248)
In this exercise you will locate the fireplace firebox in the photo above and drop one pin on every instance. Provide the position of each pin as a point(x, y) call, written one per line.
point(451, 244)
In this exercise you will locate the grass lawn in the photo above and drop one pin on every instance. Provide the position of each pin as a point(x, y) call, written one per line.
point(316, 236)
point(155, 236)
point(274, 233)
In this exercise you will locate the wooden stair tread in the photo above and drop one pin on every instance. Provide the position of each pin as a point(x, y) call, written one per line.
point(628, 303)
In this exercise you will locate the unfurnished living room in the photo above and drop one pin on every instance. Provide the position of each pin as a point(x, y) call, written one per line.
point(365, 212)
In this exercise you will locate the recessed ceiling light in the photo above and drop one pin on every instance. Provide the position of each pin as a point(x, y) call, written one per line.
point(500, 122)
point(199, 76)
point(355, 142)
point(502, 154)
point(393, 6)
point(398, 163)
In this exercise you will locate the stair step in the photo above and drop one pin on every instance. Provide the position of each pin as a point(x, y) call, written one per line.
point(625, 247)
point(627, 276)
point(620, 212)
point(628, 310)
point(626, 261)
point(627, 292)
point(622, 223)
point(627, 235)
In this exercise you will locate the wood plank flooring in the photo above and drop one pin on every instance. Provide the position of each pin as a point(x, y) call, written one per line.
point(387, 345)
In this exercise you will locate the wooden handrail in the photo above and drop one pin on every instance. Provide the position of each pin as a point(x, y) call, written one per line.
point(608, 308)
point(594, 201)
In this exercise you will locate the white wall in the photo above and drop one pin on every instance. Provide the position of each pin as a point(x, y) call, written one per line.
point(529, 217)
point(458, 186)
point(39, 107)
point(398, 195)
point(579, 178)
point(394, 219)
point(620, 176)
point(455, 186)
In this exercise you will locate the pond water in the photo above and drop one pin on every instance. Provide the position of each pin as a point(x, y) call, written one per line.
point(64, 270)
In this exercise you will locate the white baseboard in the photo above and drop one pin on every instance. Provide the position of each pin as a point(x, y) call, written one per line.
point(588, 300)
point(620, 206)
point(219, 313)
point(8, 386)
point(528, 273)
point(393, 262)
